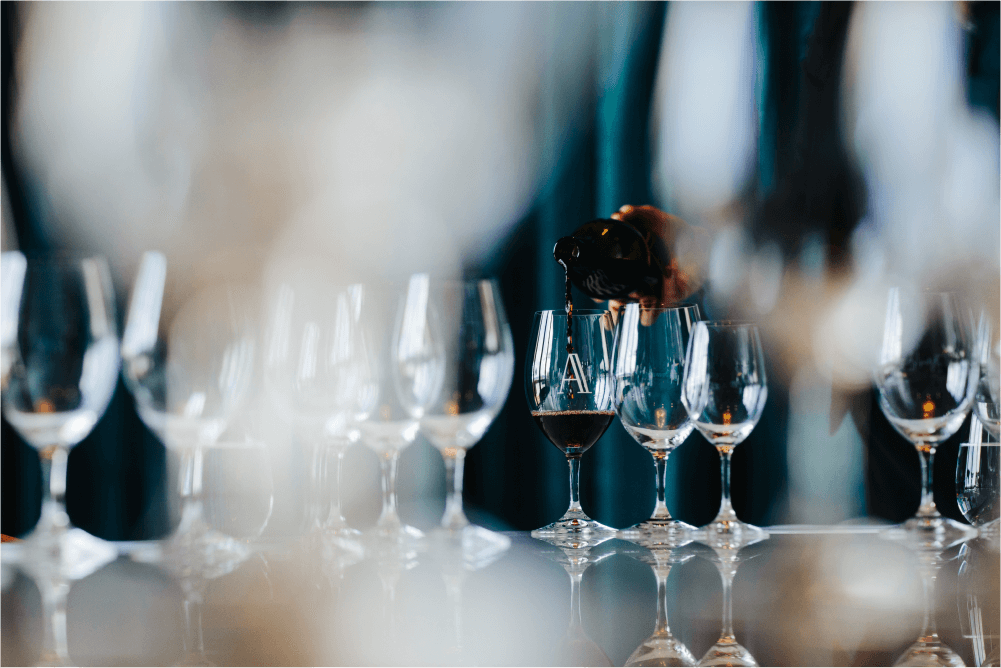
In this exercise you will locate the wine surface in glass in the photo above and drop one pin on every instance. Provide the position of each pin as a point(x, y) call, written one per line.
point(573, 432)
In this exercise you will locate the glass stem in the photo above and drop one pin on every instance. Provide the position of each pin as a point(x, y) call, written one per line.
point(55, 646)
point(660, 511)
point(335, 518)
point(192, 465)
point(194, 639)
point(927, 507)
point(574, 483)
point(454, 518)
point(726, 512)
point(388, 516)
point(662, 628)
point(54, 459)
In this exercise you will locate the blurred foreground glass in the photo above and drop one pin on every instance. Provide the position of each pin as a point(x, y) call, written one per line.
point(387, 404)
point(13, 265)
point(63, 368)
point(649, 366)
point(725, 389)
point(568, 382)
point(311, 375)
point(978, 479)
point(927, 379)
point(189, 372)
point(465, 366)
point(987, 405)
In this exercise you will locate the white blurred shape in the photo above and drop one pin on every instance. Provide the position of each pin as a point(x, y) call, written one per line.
point(706, 119)
point(765, 277)
point(728, 260)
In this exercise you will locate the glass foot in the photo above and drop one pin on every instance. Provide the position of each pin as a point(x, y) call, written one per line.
point(731, 534)
point(478, 547)
point(929, 653)
point(932, 532)
point(574, 522)
point(661, 650)
point(727, 653)
point(659, 533)
point(206, 554)
point(72, 554)
point(391, 538)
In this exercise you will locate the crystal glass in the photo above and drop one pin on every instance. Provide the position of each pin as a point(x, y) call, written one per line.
point(311, 375)
point(987, 404)
point(661, 648)
point(189, 361)
point(977, 607)
point(928, 649)
point(570, 390)
point(978, 479)
point(467, 374)
point(724, 392)
point(648, 362)
point(927, 380)
point(386, 418)
point(63, 368)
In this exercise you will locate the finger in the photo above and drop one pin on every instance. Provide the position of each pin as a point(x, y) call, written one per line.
point(647, 316)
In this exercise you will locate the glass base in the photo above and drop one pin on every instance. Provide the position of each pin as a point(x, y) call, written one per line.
point(727, 653)
point(392, 538)
point(475, 546)
point(932, 532)
point(730, 534)
point(929, 653)
point(574, 522)
point(661, 650)
point(206, 554)
point(659, 533)
point(72, 554)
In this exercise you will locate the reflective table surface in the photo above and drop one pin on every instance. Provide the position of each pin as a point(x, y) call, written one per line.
point(805, 596)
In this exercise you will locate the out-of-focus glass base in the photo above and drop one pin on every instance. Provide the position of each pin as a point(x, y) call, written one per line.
point(929, 652)
point(206, 554)
point(730, 534)
point(72, 554)
point(932, 532)
point(727, 653)
point(574, 522)
point(659, 533)
point(391, 538)
point(476, 546)
point(661, 650)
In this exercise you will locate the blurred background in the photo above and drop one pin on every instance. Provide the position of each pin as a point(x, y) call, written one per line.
point(828, 150)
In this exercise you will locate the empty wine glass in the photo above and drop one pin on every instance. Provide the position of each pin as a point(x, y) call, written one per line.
point(978, 479)
point(649, 364)
point(928, 649)
point(469, 360)
point(927, 379)
point(311, 372)
point(189, 363)
point(570, 393)
point(63, 369)
point(987, 404)
point(385, 417)
point(724, 392)
point(661, 648)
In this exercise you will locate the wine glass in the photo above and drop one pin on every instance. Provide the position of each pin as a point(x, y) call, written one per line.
point(724, 392)
point(470, 365)
point(928, 649)
point(311, 374)
point(662, 648)
point(385, 418)
point(978, 478)
point(570, 393)
point(927, 380)
point(64, 363)
point(189, 363)
point(648, 363)
point(987, 404)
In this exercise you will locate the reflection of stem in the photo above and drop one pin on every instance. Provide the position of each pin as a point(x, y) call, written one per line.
point(454, 518)
point(929, 573)
point(727, 571)
point(54, 519)
point(661, 573)
point(453, 590)
point(574, 483)
point(576, 621)
point(660, 511)
point(55, 648)
point(927, 508)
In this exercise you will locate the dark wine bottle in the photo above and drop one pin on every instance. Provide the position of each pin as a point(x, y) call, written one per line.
point(610, 259)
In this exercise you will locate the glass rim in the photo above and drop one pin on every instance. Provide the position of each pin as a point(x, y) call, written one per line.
point(728, 324)
point(58, 256)
point(557, 313)
point(676, 307)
